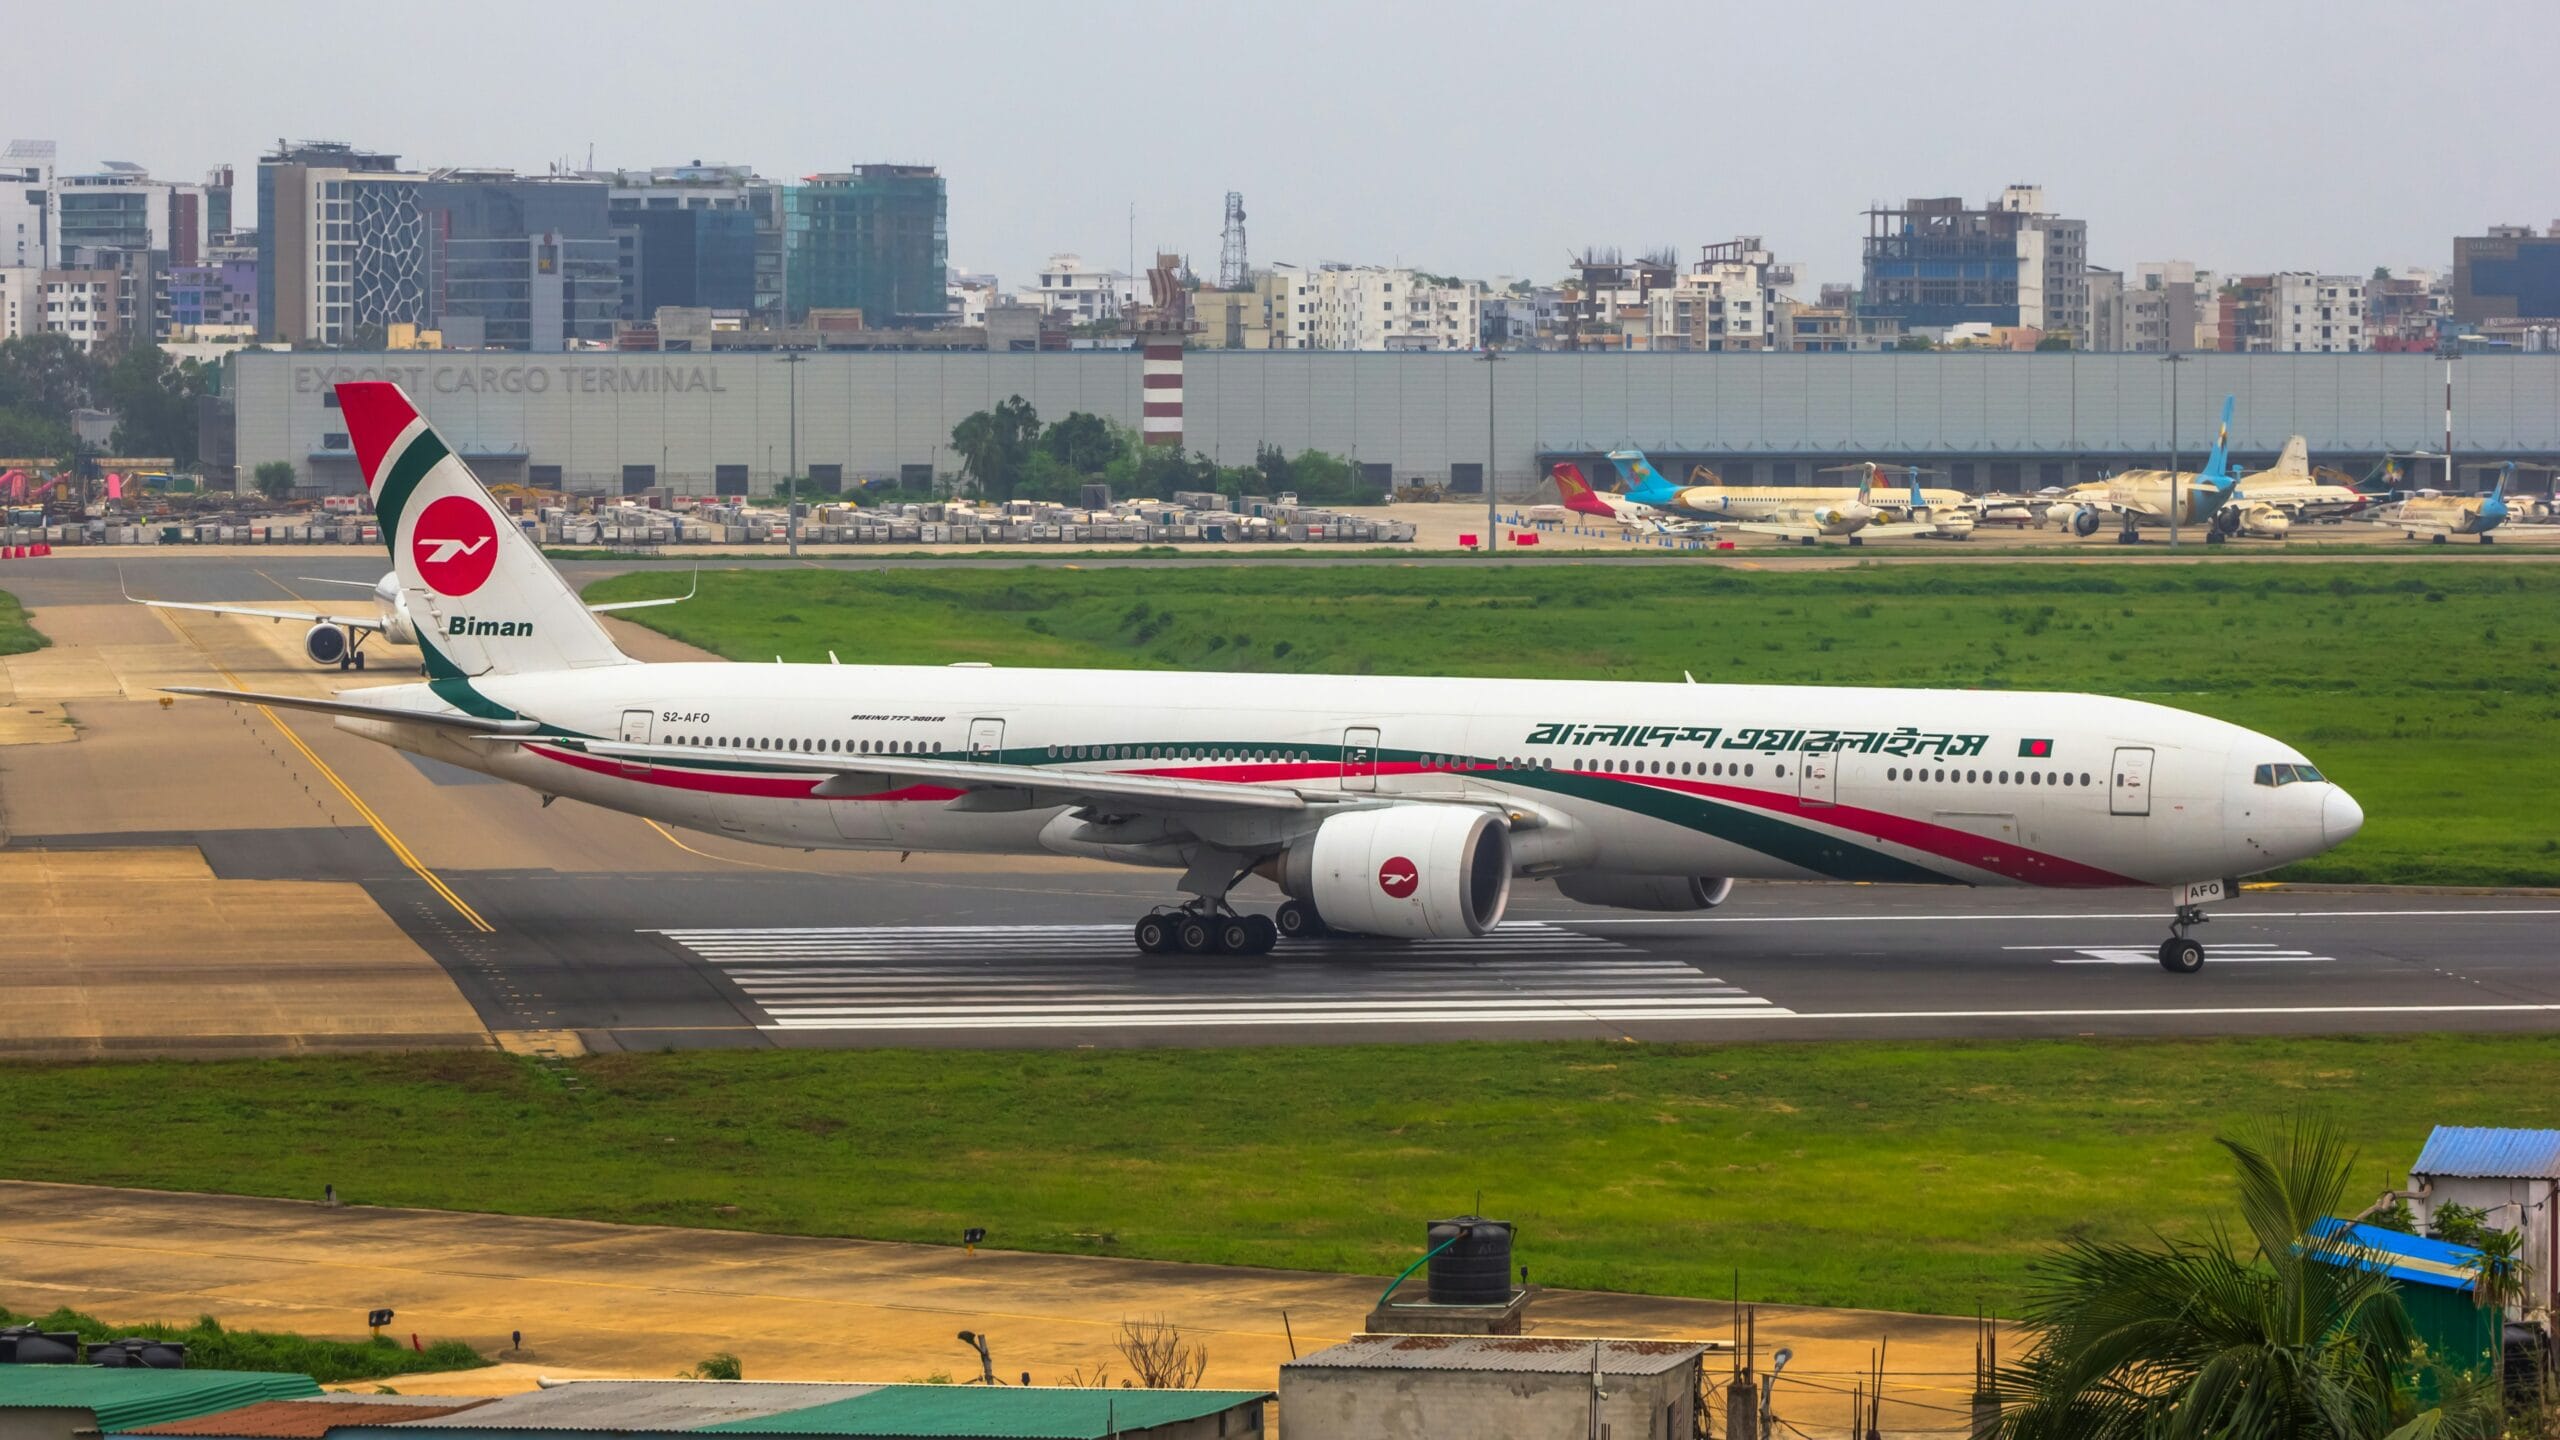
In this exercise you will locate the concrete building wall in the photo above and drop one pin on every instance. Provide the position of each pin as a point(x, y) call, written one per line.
point(591, 414)
point(1393, 1404)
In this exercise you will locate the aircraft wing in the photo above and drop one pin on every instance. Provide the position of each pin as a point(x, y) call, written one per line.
point(1771, 527)
point(351, 622)
point(1040, 785)
point(2127, 507)
point(612, 605)
point(1900, 532)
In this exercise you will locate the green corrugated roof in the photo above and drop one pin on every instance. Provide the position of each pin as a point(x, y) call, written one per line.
point(123, 1399)
point(995, 1412)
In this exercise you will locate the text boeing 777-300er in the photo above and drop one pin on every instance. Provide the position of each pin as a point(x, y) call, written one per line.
point(1381, 805)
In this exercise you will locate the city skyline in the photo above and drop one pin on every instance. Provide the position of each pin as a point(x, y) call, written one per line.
point(1049, 142)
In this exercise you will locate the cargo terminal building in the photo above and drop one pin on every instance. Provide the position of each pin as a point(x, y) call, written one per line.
point(724, 423)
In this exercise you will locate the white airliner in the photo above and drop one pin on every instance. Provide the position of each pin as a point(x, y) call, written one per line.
point(1386, 806)
point(339, 639)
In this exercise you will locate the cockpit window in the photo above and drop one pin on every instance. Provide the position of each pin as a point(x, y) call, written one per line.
point(2274, 775)
point(2305, 773)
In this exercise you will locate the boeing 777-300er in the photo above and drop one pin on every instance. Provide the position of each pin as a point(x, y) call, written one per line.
point(1380, 805)
point(339, 639)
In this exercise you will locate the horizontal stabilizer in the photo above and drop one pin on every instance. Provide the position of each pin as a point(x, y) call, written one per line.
point(442, 719)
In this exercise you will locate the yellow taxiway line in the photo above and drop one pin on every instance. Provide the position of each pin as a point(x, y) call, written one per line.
point(398, 846)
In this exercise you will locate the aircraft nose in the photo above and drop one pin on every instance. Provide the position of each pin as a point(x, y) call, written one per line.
point(2340, 817)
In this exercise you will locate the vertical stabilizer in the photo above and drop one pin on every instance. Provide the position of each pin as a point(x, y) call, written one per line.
point(485, 600)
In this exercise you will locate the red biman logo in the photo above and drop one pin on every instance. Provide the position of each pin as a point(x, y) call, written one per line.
point(1399, 878)
point(454, 545)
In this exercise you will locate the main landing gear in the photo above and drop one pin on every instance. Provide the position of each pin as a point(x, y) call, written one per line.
point(1205, 929)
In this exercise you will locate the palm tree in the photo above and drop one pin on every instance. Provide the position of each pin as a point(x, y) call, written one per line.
point(2275, 1334)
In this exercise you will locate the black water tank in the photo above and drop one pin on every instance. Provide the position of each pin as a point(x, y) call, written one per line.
point(1476, 1269)
point(27, 1345)
point(138, 1353)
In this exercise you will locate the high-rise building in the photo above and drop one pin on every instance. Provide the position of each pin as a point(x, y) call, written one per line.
point(219, 290)
point(707, 236)
point(1934, 263)
point(874, 238)
point(1723, 303)
point(26, 211)
point(1078, 294)
point(1373, 307)
point(2508, 274)
point(342, 243)
point(2317, 314)
point(519, 263)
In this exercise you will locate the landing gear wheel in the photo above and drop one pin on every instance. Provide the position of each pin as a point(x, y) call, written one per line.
point(1857, 540)
point(346, 662)
point(2128, 537)
point(1264, 935)
point(1298, 920)
point(359, 659)
point(1191, 935)
point(1155, 935)
point(2488, 539)
point(1230, 935)
point(2215, 537)
point(2180, 955)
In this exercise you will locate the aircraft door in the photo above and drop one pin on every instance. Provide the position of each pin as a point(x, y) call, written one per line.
point(1818, 779)
point(986, 738)
point(1360, 758)
point(2129, 791)
point(635, 731)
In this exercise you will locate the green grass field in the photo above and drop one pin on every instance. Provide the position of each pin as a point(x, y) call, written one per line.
point(1904, 1176)
point(17, 636)
point(2429, 690)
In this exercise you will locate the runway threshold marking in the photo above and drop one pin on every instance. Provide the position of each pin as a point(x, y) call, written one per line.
point(382, 828)
point(1048, 977)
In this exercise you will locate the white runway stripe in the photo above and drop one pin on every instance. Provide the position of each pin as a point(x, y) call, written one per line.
point(1052, 977)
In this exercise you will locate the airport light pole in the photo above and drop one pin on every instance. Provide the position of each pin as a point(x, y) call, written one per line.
point(791, 482)
point(2173, 360)
point(1492, 521)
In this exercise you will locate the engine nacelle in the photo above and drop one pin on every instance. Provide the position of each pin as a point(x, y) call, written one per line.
point(1644, 892)
point(1414, 872)
point(2084, 521)
point(326, 645)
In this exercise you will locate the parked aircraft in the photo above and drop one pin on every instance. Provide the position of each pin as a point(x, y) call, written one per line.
point(339, 639)
point(2147, 499)
point(2440, 517)
point(1382, 805)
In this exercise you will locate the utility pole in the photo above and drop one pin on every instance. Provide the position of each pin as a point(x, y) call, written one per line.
point(1492, 521)
point(791, 482)
point(2173, 361)
point(2450, 355)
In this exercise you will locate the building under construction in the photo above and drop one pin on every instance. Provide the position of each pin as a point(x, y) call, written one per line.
point(1936, 263)
point(875, 239)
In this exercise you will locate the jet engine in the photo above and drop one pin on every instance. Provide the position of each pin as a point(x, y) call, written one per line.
point(1644, 892)
point(2084, 521)
point(326, 645)
point(1412, 872)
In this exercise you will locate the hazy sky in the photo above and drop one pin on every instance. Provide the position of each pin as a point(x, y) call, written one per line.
point(1489, 138)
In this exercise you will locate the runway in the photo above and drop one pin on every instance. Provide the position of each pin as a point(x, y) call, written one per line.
point(565, 927)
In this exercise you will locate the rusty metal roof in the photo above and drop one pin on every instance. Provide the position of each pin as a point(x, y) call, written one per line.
point(1536, 1354)
point(302, 1419)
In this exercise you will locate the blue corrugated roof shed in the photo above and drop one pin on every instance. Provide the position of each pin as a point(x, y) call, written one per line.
point(2411, 1258)
point(2490, 1154)
point(123, 1399)
point(996, 1412)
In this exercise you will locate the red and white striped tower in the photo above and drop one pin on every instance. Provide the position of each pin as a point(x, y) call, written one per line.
point(1161, 326)
point(1160, 390)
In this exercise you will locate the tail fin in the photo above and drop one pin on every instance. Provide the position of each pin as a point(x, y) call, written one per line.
point(1578, 495)
point(1919, 502)
point(2216, 470)
point(1645, 484)
point(485, 600)
point(2295, 459)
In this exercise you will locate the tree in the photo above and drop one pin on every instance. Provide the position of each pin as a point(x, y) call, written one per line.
point(993, 445)
point(154, 402)
point(47, 375)
point(1915, 342)
point(275, 480)
point(2054, 342)
point(2280, 1334)
point(1162, 1358)
point(1082, 442)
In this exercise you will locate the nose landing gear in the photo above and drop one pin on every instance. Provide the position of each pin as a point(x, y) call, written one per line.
point(2182, 953)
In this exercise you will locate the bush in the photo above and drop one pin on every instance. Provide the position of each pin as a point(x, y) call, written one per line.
point(211, 1347)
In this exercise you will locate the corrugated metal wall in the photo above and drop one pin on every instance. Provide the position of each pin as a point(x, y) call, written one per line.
point(593, 414)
